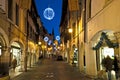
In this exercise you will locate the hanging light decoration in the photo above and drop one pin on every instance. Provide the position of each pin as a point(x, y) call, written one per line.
point(107, 40)
point(50, 12)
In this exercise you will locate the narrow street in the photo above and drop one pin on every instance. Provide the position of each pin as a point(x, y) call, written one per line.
point(52, 70)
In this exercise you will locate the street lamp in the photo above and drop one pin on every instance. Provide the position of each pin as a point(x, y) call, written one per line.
point(39, 43)
point(70, 30)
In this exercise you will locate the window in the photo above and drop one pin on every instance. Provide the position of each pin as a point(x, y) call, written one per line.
point(10, 3)
point(89, 9)
point(27, 29)
point(17, 14)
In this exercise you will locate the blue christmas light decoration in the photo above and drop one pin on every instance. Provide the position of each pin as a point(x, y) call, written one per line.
point(46, 39)
point(50, 12)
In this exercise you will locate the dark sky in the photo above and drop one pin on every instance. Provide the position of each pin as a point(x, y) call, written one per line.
point(50, 12)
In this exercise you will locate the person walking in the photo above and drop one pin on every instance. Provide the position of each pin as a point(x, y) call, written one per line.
point(108, 63)
point(116, 67)
point(14, 63)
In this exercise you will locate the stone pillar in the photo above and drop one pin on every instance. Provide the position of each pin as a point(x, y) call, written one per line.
point(25, 62)
point(68, 51)
point(81, 57)
point(21, 62)
point(90, 56)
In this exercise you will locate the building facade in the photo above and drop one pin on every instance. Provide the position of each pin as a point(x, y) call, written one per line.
point(19, 35)
point(95, 32)
point(102, 20)
point(101, 36)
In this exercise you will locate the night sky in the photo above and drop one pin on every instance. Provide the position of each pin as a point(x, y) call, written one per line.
point(50, 12)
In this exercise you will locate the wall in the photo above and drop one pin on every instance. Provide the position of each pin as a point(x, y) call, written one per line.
point(105, 19)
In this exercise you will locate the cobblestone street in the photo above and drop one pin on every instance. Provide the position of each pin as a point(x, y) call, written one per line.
point(52, 70)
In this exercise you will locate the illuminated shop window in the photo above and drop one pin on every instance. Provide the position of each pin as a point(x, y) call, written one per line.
point(108, 51)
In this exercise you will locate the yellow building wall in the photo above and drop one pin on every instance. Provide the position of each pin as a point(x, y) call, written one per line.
point(106, 17)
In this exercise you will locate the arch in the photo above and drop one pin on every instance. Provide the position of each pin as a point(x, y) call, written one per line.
point(17, 51)
point(4, 54)
point(104, 35)
point(18, 41)
point(4, 38)
point(107, 44)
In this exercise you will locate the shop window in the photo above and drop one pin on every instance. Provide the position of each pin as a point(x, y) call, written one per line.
point(16, 53)
point(108, 51)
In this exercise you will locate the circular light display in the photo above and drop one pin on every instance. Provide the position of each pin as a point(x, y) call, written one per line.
point(46, 39)
point(49, 13)
point(58, 38)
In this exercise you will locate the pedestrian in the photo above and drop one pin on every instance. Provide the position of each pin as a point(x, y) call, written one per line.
point(108, 63)
point(116, 67)
point(14, 63)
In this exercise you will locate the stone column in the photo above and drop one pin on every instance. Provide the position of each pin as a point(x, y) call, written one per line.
point(90, 56)
point(81, 57)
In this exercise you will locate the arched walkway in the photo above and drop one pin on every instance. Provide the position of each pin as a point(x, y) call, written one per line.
point(104, 43)
point(4, 54)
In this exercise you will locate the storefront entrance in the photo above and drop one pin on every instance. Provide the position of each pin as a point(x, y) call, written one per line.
point(105, 45)
point(106, 51)
point(75, 56)
point(15, 53)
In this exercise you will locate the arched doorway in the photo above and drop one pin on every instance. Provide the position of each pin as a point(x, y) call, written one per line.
point(104, 43)
point(4, 57)
point(32, 54)
point(16, 53)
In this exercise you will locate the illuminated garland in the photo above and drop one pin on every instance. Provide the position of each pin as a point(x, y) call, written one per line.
point(50, 12)
point(109, 43)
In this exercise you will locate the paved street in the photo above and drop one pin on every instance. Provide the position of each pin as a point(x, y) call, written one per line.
point(52, 70)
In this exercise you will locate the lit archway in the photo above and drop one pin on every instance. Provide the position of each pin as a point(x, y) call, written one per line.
point(16, 52)
point(104, 43)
